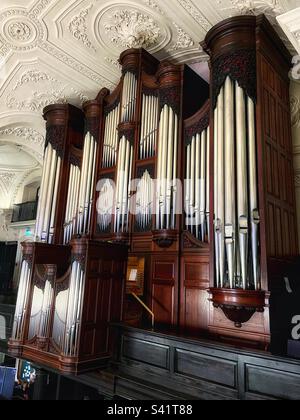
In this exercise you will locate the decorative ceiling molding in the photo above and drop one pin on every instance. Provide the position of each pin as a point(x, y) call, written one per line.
point(196, 14)
point(20, 30)
point(29, 135)
point(7, 180)
point(184, 40)
point(132, 29)
point(269, 7)
point(39, 7)
point(154, 5)
point(79, 27)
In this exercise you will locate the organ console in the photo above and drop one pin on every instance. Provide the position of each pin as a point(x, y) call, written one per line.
point(196, 181)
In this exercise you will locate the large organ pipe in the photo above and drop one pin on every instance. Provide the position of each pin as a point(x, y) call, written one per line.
point(69, 204)
point(54, 200)
point(42, 193)
point(207, 212)
point(242, 191)
point(238, 201)
point(197, 186)
point(253, 194)
point(175, 165)
point(221, 188)
point(86, 185)
point(187, 182)
point(86, 152)
point(21, 299)
point(170, 169)
point(230, 203)
point(216, 195)
point(192, 181)
point(202, 184)
point(50, 195)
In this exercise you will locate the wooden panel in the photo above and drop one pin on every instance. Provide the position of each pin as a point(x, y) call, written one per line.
point(163, 304)
point(276, 383)
point(277, 160)
point(147, 352)
point(164, 289)
point(194, 283)
point(200, 366)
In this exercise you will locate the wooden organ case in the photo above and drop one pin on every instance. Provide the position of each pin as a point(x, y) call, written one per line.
point(195, 181)
point(253, 224)
point(142, 155)
point(71, 287)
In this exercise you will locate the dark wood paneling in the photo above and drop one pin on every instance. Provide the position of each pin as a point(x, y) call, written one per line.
point(200, 366)
point(273, 383)
point(198, 369)
point(143, 351)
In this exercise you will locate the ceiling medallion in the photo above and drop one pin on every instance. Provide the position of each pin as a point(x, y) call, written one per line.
point(19, 31)
point(131, 29)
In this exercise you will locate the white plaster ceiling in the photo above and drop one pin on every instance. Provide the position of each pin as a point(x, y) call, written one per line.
point(67, 50)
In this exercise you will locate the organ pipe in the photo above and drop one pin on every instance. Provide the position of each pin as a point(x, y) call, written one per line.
point(167, 169)
point(110, 142)
point(148, 126)
point(86, 185)
point(129, 97)
point(197, 185)
point(236, 190)
point(144, 198)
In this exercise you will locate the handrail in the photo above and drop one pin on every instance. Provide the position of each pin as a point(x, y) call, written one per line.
point(146, 307)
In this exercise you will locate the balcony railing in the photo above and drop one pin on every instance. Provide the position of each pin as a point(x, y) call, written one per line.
point(24, 212)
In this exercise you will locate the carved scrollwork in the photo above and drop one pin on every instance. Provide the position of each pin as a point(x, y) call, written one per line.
point(197, 128)
point(240, 66)
point(56, 137)
point(171, 97)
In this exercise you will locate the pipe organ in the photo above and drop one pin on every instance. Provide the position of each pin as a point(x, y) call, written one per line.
point(252, 172)
point(66, 272)
point(196, 180)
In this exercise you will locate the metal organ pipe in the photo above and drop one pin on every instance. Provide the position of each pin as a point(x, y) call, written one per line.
point(149, 124)
point(242, 193)
point(167, 169)
point(144, 202)
point(253, 192)
point(129, 97)
point(237, 200)
point(197, 195)
point(72, 203)
point(86, 185)
point(221, 188)
point(207, 212)
point(110, 146)
point(230, 197)
point(21, 300)
point(41, 206)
